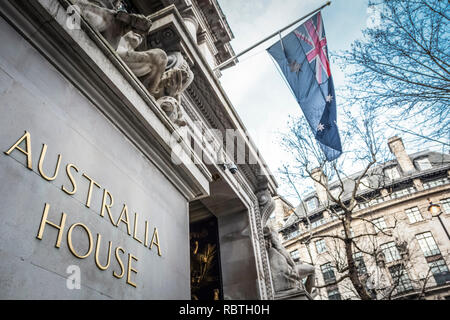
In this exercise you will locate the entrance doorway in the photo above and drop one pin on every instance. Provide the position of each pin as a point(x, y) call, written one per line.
point(206, 278)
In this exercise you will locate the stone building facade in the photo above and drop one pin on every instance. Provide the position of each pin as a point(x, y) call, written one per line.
point(116, 133)
point(417, 241)
point(283, 209)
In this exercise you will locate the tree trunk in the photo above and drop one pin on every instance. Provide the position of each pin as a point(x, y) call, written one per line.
point(352, 269)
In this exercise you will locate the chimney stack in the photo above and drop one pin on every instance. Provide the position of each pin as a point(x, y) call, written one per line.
point(321, 191)
point(398, 149)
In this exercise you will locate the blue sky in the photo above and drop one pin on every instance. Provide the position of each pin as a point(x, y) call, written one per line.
point(255, 87)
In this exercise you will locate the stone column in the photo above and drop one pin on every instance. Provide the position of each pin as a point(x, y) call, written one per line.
point(192, 25)
point(205, 49)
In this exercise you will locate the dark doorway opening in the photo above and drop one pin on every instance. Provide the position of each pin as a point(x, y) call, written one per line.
point(206, 280)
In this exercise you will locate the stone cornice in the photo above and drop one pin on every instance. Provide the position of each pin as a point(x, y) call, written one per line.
point(208, 94)
point(91, 65)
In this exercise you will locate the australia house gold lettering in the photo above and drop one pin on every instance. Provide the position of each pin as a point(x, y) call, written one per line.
point(41, 164)
point(97, 250)
point(136, 217)
point(122, 272)
point(27, 138)
point(146, 234)
point(155, 241)
point(131, 269)
point(127, 219)
point(72, 180)
point(91, 185)
point(69, 241)
point(23, 145)
point(45, 221)
point(106, 194)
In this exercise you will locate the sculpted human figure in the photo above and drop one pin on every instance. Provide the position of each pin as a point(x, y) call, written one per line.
point(112, 23)
point(173, 82)
point(165, 76)
point(286, 273)
point(148, 65)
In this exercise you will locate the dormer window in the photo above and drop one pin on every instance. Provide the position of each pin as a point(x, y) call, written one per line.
point(364, 184)
point(312, 204)
point(392, 173)
point(423, 164)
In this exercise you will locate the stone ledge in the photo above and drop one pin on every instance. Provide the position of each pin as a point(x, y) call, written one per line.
point(294, 294)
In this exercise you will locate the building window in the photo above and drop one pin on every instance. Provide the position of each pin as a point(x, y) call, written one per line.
point(293, 235)
point(334, 294)
point(312, 204)
point(445, 204)
point(403, 192)
point(321, 246)
point(400, 279)
point(390, 252)
point(423, 164)
point(379, 224)
point(427, 244)
point(328, 273)
point(295, 255)
point(440, 271)
point(414, 215)
point(360, 265)
point(317, 223)
point(392, 173)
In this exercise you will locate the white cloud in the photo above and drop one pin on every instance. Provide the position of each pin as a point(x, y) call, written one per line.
point(255, 86)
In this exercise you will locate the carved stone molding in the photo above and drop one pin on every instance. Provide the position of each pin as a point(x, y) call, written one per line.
point(165, 38)
point(268, 283)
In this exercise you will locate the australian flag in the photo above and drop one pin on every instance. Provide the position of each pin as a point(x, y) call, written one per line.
point(303, 58)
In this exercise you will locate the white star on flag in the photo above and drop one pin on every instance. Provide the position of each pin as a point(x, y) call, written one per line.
point(320, 127)
point(329, 98)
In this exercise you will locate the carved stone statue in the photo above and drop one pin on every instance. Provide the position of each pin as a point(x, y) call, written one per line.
point(173, 82)
point(148, 65)
point(177, 78)
point(286, 274)
point(112, 23)
point(165, 76)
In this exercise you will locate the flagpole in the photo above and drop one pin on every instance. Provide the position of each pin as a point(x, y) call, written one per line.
point(232, 59)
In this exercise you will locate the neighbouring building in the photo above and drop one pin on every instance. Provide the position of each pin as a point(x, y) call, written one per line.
point(119, 176)
point(282, 211)
point(413, 258)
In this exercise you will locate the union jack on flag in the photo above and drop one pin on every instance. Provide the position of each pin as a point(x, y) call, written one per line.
point(314, 36)
point(302, 56)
